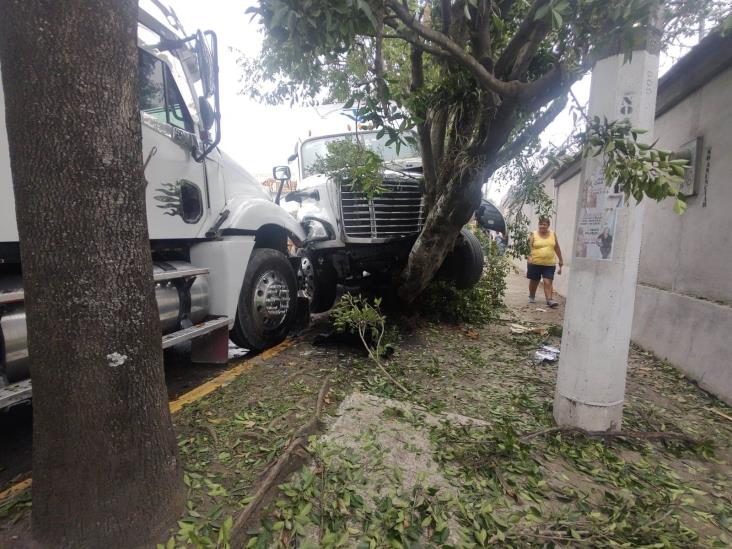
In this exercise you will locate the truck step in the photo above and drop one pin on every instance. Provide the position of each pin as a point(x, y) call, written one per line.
point(15, 393)
point(11, 290)
point(11, 297)
point(201, 329)
point(161, 276)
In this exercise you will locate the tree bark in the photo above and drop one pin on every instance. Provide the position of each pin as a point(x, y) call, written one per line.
point(453, 209)
point(106, 471)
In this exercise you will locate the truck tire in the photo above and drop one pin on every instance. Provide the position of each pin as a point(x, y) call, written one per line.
point(464, 264)
point(319, 283)
point(267, 301)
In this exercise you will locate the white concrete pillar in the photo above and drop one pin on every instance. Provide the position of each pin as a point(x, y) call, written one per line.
point(601, 297)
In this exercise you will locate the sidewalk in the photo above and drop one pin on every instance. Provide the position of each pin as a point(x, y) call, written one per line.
point(517, 299)
point(469, 457)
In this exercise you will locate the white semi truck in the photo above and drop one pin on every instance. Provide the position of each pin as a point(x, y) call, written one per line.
point(218, 241)
point(356, 240)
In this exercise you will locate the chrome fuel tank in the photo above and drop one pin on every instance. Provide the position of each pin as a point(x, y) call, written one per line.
point(176, 295)
point(168, 298)
point(14, 343)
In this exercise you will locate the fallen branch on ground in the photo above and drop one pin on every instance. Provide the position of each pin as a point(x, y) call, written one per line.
point(608, 435)
point(355, 314)
point(291, 459)
point(720, 414)
point(376, 360)
point(289, 413)
point(504, 485)
point(211, 433)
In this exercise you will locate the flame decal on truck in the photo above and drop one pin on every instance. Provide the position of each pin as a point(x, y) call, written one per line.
point(182, 198)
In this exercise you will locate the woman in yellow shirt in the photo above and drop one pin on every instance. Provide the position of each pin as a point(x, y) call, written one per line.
point(542, 261)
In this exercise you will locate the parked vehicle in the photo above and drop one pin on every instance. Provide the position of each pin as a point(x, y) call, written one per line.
point(219, 243)
point(353, 239)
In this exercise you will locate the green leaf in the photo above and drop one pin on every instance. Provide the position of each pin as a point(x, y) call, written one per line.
point(542, 11)
point(556, 19)
point(679, 206)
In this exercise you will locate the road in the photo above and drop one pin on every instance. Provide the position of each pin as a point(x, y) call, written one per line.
point(16, 424)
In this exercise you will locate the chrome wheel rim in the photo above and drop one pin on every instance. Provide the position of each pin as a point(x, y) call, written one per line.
point(271, 299)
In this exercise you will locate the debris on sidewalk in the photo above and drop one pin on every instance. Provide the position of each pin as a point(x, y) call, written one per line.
point(236, 351)
point(519, 329)
point(547, 353)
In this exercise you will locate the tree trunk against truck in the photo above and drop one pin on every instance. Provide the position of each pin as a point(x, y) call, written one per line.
point(106, 471)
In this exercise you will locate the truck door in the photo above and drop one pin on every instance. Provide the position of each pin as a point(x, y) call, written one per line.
point(176, 192)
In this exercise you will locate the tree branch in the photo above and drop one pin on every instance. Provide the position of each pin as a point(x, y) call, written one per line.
point(423, 130)
point(379, 60)
point(438, 125)
point(446, 16)
point(416, 40)
point(506, 89)
point(549, 86)
point(642, 435)
point(508, 151)
point(482, 35)
point(528, 49)
point(520, 39)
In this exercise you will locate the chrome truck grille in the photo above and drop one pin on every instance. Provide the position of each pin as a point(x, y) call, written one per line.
point(397, 212)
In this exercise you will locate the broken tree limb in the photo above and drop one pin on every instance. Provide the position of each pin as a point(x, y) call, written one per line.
point(720, 414)
point(608, 435)
point(284, 417)
point(291, 459)
point(504, 485)
point(324, 388)
point(375, 358)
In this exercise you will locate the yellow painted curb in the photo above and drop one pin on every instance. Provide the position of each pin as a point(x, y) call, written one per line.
point(198, 393)
point(16, 489)
point(227, 377)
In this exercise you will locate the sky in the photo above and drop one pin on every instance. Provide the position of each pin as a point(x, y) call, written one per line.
point(259, 136)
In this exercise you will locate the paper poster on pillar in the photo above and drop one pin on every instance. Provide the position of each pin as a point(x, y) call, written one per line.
point(597, 219)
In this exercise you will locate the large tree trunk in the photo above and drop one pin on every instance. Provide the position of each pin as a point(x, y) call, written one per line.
point(106, 472)
point(452, 210)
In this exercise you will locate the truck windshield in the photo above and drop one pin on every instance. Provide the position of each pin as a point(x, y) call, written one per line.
point(314, 148)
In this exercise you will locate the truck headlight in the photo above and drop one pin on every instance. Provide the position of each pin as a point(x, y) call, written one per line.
point(317, 230)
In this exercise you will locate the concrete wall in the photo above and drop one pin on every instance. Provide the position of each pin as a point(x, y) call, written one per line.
point(565, 205)
point(683, 310)
point(684, 295)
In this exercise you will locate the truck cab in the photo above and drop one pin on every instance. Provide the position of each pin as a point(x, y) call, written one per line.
point(351, 238)
point(219, 243)
point(354, 239)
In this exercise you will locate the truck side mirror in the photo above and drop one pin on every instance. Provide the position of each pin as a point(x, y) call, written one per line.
point(208, 117)
point(207, 56)
point(281, 174)
point(206, 65)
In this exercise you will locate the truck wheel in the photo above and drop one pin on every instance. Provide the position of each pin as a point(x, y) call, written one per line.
point(319, 283)
point(267, 301)
point(464, 264)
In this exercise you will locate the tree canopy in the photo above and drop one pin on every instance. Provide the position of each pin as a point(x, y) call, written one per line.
point(478, 79)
